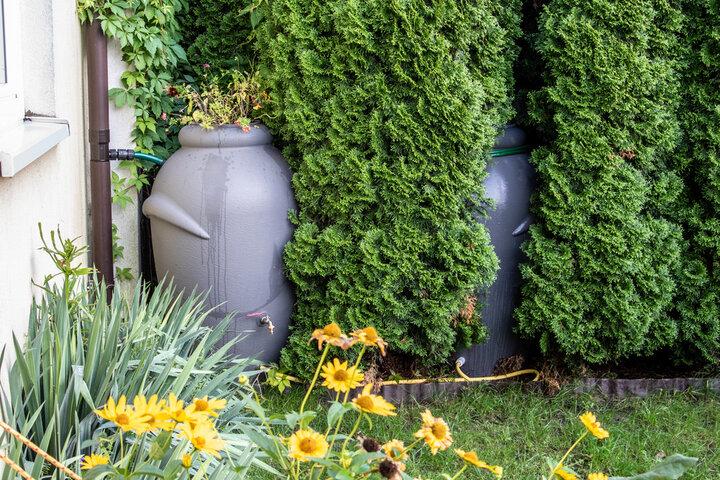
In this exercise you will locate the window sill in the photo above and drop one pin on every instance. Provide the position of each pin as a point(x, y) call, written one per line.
point(22, 144)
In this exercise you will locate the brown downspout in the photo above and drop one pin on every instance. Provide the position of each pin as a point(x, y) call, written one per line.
point(99, 137)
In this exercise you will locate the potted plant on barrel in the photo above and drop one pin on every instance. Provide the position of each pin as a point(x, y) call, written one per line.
point(219, 211)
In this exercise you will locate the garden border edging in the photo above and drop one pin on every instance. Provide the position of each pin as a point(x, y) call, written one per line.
point(610, 387)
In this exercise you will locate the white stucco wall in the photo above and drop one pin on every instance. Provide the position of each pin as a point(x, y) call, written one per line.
point(121, 125)
point(51, 190)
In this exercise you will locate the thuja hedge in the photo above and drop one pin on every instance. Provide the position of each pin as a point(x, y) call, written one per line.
point(698, 304)
point(388, 110)
point(603, 255)
point(219, 33)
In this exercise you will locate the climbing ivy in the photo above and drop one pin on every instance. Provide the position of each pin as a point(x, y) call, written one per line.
point(148, 34)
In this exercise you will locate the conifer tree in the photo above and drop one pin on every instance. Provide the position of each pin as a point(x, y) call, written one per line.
point(698, 300)
point(603, 254)
point(388, 109)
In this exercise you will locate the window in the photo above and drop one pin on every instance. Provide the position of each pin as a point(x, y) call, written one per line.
point(22, 140)
point(11, 102)
point(3, 72)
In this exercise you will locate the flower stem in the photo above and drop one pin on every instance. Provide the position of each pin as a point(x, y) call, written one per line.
point(577, 442)
point(352, 432)
point(459, 472)
point(315, 377)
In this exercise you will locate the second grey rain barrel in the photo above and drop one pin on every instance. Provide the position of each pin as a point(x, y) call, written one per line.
point(509, 184)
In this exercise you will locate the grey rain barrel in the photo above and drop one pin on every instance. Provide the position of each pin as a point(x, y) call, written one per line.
point(219, 219)
point(509, 184)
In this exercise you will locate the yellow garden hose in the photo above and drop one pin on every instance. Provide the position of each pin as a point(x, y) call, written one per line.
point(458, 368)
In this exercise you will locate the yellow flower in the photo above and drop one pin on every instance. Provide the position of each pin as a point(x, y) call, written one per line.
point(204, 438)
point(306, 444)
point(243, 380)
point(395, 450)
point(472, 458)
point(121, 414)
point(339, 377)
point(187, 460)
point(370, 403)
point(93, 460)
point(205, 406)
point(435, 432)
point(369, 336)
point(597, 476)
point(175, 409)
point(588, 419)
point(331, 334)
point(564, 474)
point(153, 413)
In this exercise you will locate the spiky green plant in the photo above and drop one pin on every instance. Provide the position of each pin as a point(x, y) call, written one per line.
point(389, 109)
point(79, 350)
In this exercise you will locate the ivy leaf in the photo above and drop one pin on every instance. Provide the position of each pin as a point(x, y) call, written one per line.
point(179, 52)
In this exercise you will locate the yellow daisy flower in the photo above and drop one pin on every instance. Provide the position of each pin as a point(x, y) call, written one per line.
point(472, 458)
point(369, 336)
point(153, 412)
point(339, 377)
point(187, 460)
point(395, 450)
point(121, 414)
point(564, 474)
point(204, 438)
point(175, 409)
point(597, 476)
point(435, 432)
point(331, 334)
point(588, 419)
point(93, 460)
point(306, 444)
point(370, 403)
point(206, 406)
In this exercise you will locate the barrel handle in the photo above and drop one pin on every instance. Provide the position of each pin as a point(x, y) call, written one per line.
point(161, 206)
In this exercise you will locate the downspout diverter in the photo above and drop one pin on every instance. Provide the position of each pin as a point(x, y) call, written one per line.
point(99, 138)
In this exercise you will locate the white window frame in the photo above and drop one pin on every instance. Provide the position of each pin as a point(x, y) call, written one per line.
point(12, 105)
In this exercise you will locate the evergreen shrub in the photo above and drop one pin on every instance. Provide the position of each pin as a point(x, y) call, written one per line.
point(219, 33)
point(698, 304)
point(603, 254)
point(388, 109)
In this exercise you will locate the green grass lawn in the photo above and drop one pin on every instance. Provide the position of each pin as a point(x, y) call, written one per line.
point(518, 429)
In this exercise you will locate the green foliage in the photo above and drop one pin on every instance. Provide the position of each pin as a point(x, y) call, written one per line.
point(698, 301)
point(148, 34)
point(216, 102)
point(220, 33)
point(602, 257)
point(388, 110)
point(79, 350)
point(671, 468)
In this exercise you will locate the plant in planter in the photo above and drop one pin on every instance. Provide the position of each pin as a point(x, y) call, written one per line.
point(219, 211)
point(238, 102)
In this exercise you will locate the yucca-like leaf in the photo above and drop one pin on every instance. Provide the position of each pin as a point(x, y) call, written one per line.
point(73, 359)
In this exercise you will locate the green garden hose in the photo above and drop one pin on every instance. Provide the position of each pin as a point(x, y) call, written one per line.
point(150, 158)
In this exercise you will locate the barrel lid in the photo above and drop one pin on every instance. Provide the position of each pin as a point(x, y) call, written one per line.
point(512, 136)
point(224, 136)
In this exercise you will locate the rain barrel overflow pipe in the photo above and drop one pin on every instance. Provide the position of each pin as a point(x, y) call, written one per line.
point(99, 139)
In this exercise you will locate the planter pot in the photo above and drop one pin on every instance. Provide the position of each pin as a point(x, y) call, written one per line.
point(509, 184)
point(219, 217)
